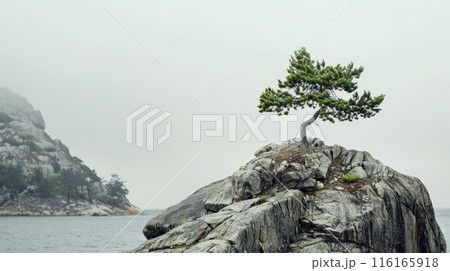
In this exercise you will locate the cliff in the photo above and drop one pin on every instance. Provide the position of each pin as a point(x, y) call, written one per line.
point(296, 199)
point(39, 176)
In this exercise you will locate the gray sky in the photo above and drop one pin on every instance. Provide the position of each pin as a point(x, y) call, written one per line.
point(77, 65)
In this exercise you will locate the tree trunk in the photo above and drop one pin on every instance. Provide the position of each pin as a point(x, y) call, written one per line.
point(306, 124)
point(89, 193)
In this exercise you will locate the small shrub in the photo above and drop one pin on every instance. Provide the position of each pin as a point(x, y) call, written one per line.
point(132, 211)
point(262, 200)
point(350, 178)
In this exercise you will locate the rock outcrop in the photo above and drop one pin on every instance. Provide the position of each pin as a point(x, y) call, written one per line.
point(295, 199)
point(24, 143)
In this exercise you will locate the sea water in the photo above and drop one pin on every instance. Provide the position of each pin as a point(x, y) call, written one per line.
point(93, 234)
point(71, 233)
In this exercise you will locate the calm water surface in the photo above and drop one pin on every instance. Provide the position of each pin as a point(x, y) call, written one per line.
point(92, 234)
point(71, 233)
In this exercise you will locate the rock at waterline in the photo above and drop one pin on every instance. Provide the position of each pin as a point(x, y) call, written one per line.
point(293, 199)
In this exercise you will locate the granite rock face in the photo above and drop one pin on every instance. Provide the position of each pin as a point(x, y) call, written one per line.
point(294, 199)
point(19, 108)
point(190, 209)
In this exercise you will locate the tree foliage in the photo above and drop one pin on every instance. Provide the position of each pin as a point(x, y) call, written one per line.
point(11, 176)
point(46, 186)
point(116, 190)
point(73, 183)
point(70, 180)
point(314, 84)
point(90, 179)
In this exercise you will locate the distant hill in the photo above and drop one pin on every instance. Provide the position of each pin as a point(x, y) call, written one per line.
point(39, 176)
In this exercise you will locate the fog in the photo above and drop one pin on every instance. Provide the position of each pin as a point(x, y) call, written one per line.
point(85, 72)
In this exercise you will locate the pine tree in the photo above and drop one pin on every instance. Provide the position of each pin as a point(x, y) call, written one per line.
point(13, 178)
point(44, 184)
point(70, 180)
point(89, 181)
point(116, 190)
point(313, 84)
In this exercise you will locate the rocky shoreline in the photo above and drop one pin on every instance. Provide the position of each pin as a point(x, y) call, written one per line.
point(30, 204)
